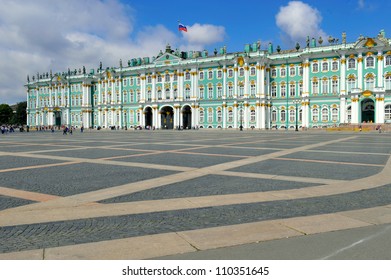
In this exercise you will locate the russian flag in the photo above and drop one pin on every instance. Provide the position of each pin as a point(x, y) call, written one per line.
point(182, 27)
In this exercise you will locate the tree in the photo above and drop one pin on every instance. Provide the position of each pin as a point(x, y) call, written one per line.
point(6, 114)
point(20, 116)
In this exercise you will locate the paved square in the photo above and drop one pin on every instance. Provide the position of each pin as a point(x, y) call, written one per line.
point(64, 193)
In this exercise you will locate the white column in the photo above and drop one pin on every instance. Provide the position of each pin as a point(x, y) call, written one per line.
point(343, 75)
point(235, 112)
point(245, 115)
point(224, 82)
point(246, 81)
point(236, 81)
point(359, 73)
point(380, 82)
point(262, 118)
point(154, 97)
point(379, 107)
point(342, 110)
point(355, 110)
point(224, 112)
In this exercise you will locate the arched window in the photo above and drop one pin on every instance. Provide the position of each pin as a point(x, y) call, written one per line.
point(230, 91)
point(202, 116)
point(201, 93)
point(325, 115)
point(351, 83)
point(274, 90)
point(315, 115)
point(315, 67)
point(167, 93)
point(219, 74)
point(274, 72)
point(149, 95)
point(283, 72)
point(159, 78)
point(252, 90)
point(252, 115)
point(325, 66)
point(210, 115)
point(292, 90)
point(274, 115)
point(369, 83)
point(292, 115)
point(187, 76)
point(292, 71)
point(252, 71)
point(230, 115)
point(283, 90)
point(230, 73)
point(210, 92)
point(388, 60)
point(210, 75)
point(241, 72)
point(149, 79)
point(334, 114)
point(159, 94)
point(351, 63)
point(219, 116)
point(219, 91)
point(175, 93)
point(370, 61)
point(283, 116)
point(334, 66)
point(325, 86)
point(387, 112)
point(241, 91)
point(315, 87)
point(201, 75)
point(187, 93)
point(388, 82)
point(334, 86)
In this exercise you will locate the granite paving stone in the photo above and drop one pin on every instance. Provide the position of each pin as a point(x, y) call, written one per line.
point(10, 202)
point(187, 160)
point(105, 228)
point(8, 162)
point(78, 178)
point(209, 185)
point(310, 169)
point(340, 157)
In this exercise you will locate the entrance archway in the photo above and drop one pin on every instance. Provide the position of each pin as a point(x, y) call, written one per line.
point(148, 116)
point(57, 118)
point(186, 115)
point(367, 110)
point(167, 117)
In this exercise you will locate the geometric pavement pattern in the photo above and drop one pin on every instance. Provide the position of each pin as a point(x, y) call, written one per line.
point(145, 194)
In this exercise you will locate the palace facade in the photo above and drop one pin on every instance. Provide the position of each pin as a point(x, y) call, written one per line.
point(318, 85)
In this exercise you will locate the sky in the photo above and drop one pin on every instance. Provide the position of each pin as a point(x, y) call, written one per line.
point(37, 36)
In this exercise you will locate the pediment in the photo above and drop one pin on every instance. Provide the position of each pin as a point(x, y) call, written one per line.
point(167, 59)
point(369, 43)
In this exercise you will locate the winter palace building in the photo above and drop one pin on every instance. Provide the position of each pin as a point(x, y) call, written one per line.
point(321, 84)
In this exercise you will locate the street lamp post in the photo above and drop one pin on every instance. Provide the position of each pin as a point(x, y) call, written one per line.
point(296, 102)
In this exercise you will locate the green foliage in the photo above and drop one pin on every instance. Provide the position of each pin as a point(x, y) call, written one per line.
point(6, 114)
point(20, 116)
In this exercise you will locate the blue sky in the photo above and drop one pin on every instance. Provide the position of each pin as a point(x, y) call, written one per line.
point(43, 35)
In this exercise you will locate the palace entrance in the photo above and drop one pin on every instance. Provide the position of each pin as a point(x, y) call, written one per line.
point(57, 118)
point(367, 110)
point(186, 113)
point(167, 117)
point(148, 117)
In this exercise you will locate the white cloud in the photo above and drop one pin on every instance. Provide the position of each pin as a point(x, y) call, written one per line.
point(199, 35)
point(43, 35)
point(298, 20)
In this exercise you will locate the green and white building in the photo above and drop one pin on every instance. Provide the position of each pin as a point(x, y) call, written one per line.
point(313, 86)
